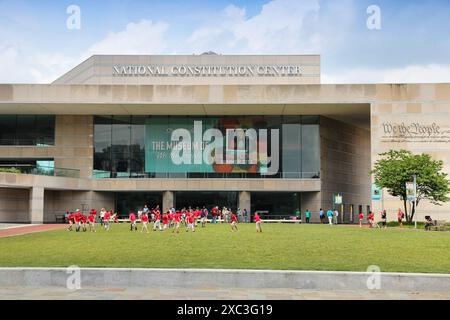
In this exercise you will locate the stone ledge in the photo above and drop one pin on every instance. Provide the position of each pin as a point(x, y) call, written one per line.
point(223, 278)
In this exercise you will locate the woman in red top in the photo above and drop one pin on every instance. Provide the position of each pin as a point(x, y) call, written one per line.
point(176, 218)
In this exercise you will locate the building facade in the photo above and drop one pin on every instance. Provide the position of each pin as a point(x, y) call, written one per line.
point(253, 132)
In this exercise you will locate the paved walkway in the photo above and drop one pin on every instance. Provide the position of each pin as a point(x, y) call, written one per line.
point(52, 293)
point(15, 230)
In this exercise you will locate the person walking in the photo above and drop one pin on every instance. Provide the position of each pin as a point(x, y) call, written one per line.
point(384, 219)
point(214, 214)
point(330, 216)
point(321, 215)
point(298, 215)
point(144, 219)
point(234, 222)
point(335, 216)
point(400, 216)
point(307, 215)
point(91, 219)
point(245, 215)
point(257, 219)
point(361, 218)
point(132, 218)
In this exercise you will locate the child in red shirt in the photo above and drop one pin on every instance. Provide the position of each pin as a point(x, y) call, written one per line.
point(70, 217)
point(361, 218)
point(258, 222)
point(106, 220)
point(190, 221)
point(233, 222)
point(91, 219)
point(177, 219)
point(157, 223)
point(144, 219)
point(133, 221)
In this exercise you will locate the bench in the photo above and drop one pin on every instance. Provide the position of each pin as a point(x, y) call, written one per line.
point(60, 218)
point(439, 225)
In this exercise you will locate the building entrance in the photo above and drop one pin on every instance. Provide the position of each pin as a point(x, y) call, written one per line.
point(207, 199)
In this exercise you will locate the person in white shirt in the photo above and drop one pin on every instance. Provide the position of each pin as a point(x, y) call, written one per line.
point(335, 216)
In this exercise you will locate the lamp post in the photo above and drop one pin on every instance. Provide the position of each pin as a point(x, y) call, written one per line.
point(415, 201)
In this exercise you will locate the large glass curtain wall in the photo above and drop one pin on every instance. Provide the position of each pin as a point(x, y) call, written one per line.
point(119, 143)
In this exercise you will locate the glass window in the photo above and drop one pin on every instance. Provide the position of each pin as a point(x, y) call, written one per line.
point(291, 148)
point(8, 124)
point(102, 146)
point(121, 135)
point(120, 146)
point(310, 151)
point(275, 205)
point(137, 146)
point(25, 130)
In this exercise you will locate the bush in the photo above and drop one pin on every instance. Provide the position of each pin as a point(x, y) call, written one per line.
point(10, 170)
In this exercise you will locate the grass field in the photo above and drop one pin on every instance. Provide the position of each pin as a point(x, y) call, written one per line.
point(280, 246)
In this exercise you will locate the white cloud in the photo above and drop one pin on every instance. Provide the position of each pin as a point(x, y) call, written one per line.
point(432, 73)
point(143, 37)
point(18, 64)
point(282, 26)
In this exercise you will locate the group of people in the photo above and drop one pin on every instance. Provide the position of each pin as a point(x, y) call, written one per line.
point(169, 219)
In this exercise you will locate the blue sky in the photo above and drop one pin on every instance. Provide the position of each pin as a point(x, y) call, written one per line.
point(413, 44)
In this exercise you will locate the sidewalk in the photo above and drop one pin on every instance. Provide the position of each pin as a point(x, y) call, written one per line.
point(15, 230)
point(159, 293)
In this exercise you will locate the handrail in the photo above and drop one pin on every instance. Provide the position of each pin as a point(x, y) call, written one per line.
point(100, 174)
point(45, 170)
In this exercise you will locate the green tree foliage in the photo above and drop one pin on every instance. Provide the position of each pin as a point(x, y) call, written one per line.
point(395, 168)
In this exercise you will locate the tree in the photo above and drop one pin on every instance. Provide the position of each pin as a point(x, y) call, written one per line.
point(396, 167)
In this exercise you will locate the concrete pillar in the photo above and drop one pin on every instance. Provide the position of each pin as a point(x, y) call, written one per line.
point(37, 205)
point(167, 200)
point(245, 202)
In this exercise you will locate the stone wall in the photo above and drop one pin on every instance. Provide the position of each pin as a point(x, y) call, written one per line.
point(14, 205)
point(345, 163)
point(424, 128)
point(58, 202)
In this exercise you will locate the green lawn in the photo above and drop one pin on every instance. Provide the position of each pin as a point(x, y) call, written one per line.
point(280, 246)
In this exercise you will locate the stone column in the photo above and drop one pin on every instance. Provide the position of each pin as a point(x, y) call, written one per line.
point(36, 209)
point(167, 201)
point(245, 202)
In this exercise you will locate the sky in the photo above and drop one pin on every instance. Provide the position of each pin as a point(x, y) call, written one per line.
point(411, 41)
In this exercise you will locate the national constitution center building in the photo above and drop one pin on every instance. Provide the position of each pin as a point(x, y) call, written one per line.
point(256, 132)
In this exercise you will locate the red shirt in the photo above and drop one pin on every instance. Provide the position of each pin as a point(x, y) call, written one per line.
point(132, 216)
point(361, 216)
point(157, 216)
point(106, 217)
point(371, 216)
point(144, 218)
point(70, 217)
point(77, 217)
point(233, 217)
point(214, 211)
point(165, 217)
point(93, 211)
point(177, 217)
point(257, 218)
point(83, 218)
point(190, 219)
point(91, 217)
